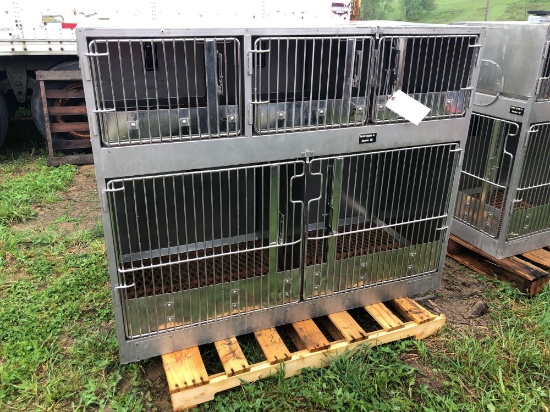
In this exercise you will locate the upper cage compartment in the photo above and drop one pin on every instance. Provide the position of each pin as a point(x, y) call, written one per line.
point(166, 89)
point(308, 83)
point(435, 70)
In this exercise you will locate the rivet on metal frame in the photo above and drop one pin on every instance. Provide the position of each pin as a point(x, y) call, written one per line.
point(169, 304)
point(184, 121)
point(281, 115)
point(364, 264)
point(320, 112)
point(410, 267)
point(287, 281)
point(235, 291)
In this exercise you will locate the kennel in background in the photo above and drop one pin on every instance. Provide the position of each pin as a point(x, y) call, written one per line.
point(503, 204)
point(252, 178)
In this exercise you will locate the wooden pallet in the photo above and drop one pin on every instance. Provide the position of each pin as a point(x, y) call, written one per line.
point(528, 272)
point(190, 384)
point(53, 114)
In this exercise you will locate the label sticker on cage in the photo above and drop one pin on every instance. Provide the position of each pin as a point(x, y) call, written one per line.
point(367, 138)
point(517, 110)
point(407, 107)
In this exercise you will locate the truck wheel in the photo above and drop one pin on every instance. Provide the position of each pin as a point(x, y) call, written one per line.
point(37, 110)
point(3, 119)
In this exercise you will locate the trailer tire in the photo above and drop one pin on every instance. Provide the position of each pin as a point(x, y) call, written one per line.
point(36, 101)
point(3, 119)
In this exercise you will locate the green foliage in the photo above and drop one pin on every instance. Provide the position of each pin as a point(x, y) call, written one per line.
point(375, 9)
point(413, 10)
point(448, 11)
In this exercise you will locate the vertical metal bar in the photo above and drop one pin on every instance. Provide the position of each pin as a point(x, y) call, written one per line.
point(337, 175)
point(345, 104)
point(210, 59)
point(274, 184)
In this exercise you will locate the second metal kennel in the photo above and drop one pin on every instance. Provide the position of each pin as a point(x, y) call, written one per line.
point(503, 204)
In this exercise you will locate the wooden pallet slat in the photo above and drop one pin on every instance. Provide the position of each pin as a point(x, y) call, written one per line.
point(272, 345)
point(58, 75)
point(233, 360)
point(70, 127)
point(412, 310)
point(528, 272)
point(307, 335)
point(347, 326)
point(541, 257)
point(186, 396)
point(384, 316)
point(67, 110)
point(64, 94)
point(184, 369)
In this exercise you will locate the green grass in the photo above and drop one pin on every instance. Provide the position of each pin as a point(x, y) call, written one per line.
point(58, 350)
point(448, 11)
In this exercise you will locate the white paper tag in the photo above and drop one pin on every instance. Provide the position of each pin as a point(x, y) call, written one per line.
point(406, 107)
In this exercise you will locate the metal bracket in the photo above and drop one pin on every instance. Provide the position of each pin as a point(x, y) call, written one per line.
point(307, 154)
point(184, 122)
point(249, 58)
point(17, 76)
point(478, 57)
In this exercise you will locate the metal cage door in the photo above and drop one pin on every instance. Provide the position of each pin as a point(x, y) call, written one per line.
point(165, 90)
point(198, 247)
point(435, 70)
point(531, 211)
point(488, 163)
point(310, 83)
point(379, 217)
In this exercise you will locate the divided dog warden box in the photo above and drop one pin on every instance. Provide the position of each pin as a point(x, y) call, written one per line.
point(254, 177)
point(503, 204)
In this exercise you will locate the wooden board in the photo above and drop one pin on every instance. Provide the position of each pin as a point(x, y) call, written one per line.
point(58, 75)
point(272, 345)
point(528, 272)
point(232, 356)
point(307, 335)
point(70, 127)
point(188, 396)
point(384, 316)
point(540, 257)
point(184, 369)
point(347, 326)
point(410, 309)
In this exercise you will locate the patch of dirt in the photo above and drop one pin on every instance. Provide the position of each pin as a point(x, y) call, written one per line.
point(77, 209)
point(153, 373)
point(460, 289)
point(459, 292)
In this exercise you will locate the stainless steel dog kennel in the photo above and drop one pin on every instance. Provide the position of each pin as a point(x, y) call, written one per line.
point(503, 204)
point(254, 177)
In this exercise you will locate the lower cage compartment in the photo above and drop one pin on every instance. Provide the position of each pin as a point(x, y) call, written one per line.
point(201, 255)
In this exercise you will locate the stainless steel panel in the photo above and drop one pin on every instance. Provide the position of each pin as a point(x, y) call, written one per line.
point(517, 49)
